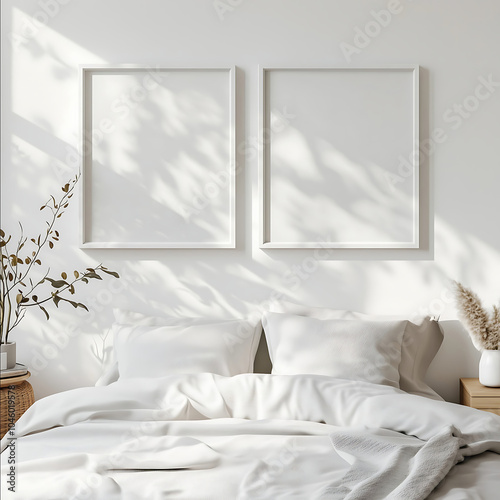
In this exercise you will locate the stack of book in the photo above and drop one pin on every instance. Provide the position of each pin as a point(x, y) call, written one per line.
point(17, 371)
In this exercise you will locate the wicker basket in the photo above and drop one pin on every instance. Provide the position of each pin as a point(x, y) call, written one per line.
point(15, 400)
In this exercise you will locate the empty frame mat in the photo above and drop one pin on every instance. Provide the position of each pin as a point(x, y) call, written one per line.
point(339, 165)
point(158, 157)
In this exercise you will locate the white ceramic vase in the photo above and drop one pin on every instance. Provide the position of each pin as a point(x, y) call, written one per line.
point(8, 351)
point(489, 368)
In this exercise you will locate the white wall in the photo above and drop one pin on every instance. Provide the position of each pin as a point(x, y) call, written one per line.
point(455, 43)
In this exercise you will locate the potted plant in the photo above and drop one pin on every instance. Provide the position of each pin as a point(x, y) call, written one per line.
point(20, 289)
point(484, 330)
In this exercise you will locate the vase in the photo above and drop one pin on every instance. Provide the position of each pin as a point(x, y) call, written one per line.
point(489, 368)
point(8, 351)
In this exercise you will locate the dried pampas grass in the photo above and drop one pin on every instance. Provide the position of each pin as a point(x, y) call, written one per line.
point(483, 327)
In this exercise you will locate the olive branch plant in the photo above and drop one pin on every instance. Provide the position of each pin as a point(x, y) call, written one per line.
point(18, 291)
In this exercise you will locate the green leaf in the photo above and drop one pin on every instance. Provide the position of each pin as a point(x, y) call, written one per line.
point(93, 276)
point(112, 273)
point(85, 280)
point(74, 304)
point(57, 283)
point(45, 311)
point(56, 299)
point(76, 273)
point(83, 306)
point(64, 276)
point(19, 298)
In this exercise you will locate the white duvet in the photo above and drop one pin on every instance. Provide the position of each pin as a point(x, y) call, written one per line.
point(249, 437)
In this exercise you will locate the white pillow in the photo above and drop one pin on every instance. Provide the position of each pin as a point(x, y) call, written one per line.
point(146, 346)
point(421, 341)
point(352, 349)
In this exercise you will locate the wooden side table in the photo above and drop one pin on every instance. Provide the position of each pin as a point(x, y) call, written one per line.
point(475, 395)
point(16, 396)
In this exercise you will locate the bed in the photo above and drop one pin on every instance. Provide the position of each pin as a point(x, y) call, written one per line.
point(344, 413)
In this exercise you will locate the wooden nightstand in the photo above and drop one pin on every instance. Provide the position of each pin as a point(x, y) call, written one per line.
point(475, 395)
point(16, 396)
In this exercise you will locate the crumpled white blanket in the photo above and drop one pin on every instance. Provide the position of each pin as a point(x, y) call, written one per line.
point(251, 436)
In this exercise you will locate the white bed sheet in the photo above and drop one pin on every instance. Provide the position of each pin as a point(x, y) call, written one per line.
point(476, 478)
point(251, 437)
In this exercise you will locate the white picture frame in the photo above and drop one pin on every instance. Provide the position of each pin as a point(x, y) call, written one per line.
point(315, 192)
point(165, 137)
